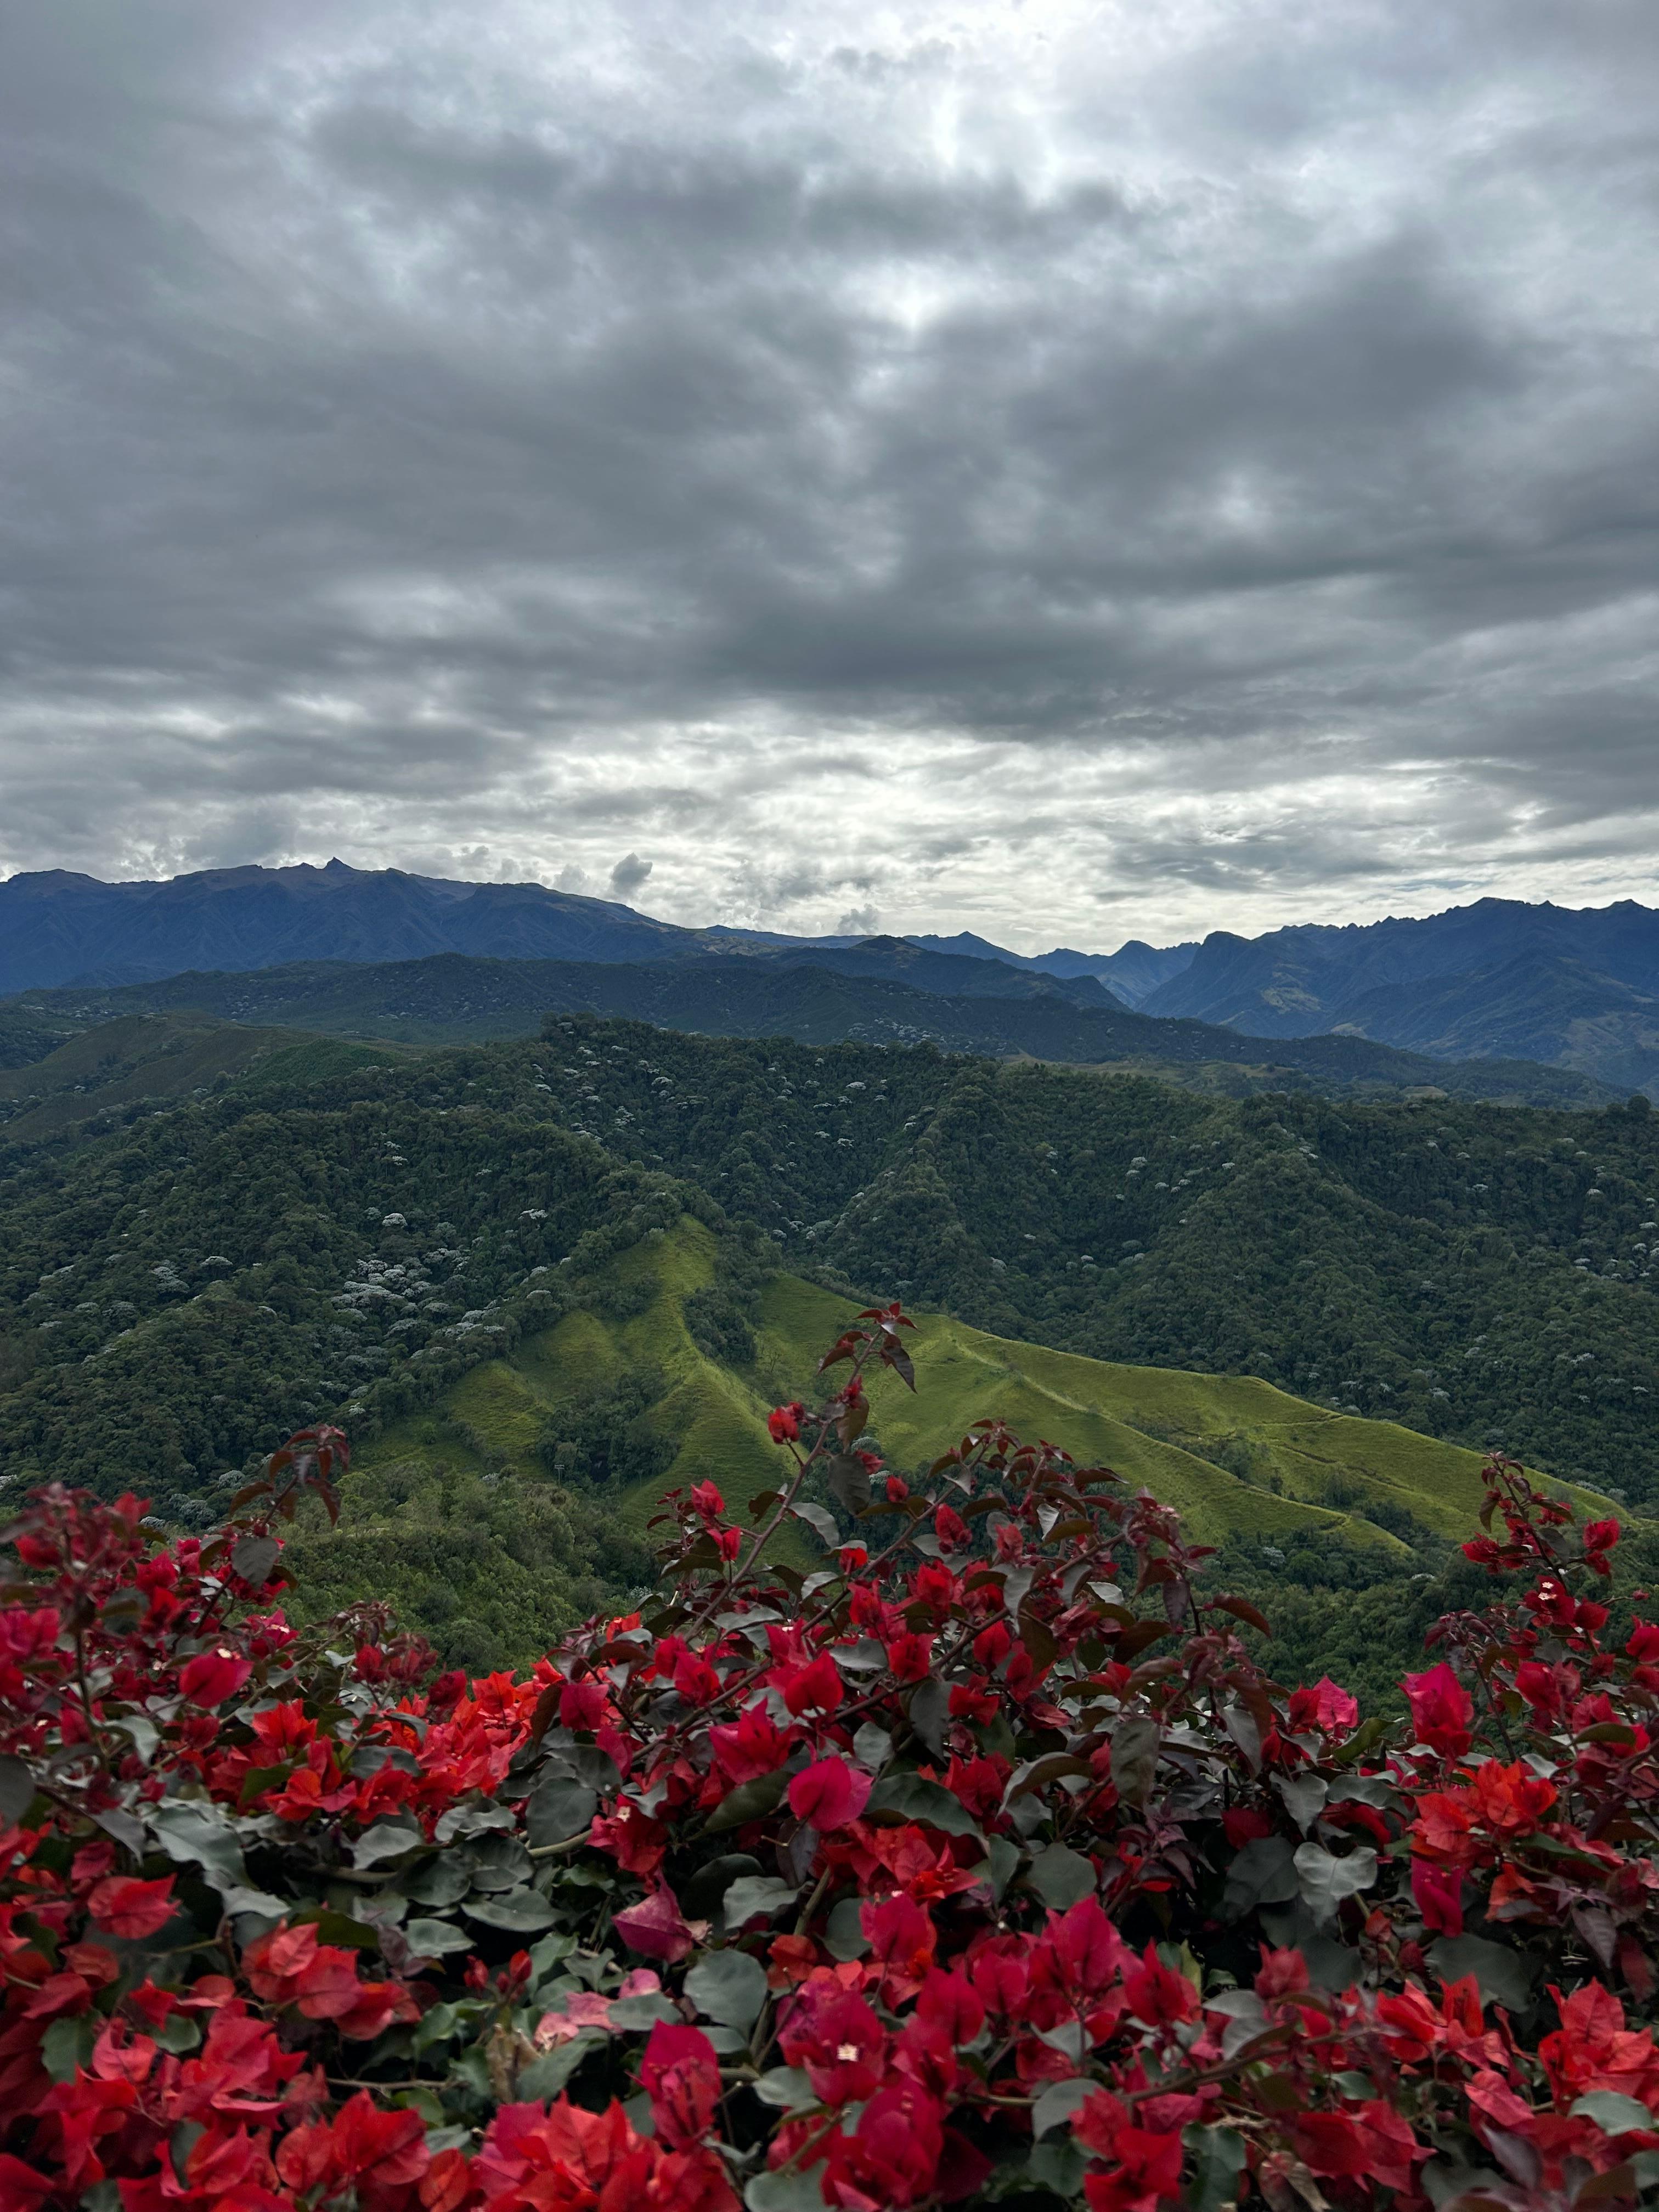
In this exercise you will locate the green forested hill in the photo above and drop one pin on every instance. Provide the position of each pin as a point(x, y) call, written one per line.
point(332, 1233)
point(661, 1372)
point(97, 1076)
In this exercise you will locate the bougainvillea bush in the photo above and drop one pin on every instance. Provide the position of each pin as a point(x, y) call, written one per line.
point(985, 1864)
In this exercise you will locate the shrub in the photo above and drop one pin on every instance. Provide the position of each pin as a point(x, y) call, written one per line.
point(984, 1864)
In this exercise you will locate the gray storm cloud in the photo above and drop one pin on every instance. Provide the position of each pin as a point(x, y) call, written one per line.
point(1066, 471)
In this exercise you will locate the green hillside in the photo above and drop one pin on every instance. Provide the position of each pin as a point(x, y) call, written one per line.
point(157, 1060)
point(185, 1274)
point(1159, 1427)
point(1325, 1517)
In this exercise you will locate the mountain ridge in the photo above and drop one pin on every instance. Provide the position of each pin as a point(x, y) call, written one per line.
point(451, 999)
point(1498, 979)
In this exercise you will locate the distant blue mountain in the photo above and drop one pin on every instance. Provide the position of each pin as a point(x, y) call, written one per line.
point(1130, 975)
point(58, 928)
point(1572, 987)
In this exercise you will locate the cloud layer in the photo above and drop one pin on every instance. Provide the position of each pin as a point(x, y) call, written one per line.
point(1063, 469)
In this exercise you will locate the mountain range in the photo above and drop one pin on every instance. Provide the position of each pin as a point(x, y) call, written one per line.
point(78, 1053)
point(1572, 988)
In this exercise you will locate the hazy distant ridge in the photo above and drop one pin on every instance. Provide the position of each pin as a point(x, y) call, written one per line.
point(1572, 988)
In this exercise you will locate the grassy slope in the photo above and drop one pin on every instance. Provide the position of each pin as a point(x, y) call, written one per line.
point(1099, 1412)
point(714, 1417)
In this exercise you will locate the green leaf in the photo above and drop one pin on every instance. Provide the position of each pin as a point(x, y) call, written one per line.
point(644, 2011)
point(1325, 1881)
point(1369, 1732)
point(1500, 1973)
point(820, 1521)
point(438, 2026)
point(786, 2088)
point(498, 1862)
point(558, 1809)
point(476, 1818)
point(1058, 2102)
point(1303, 1796)
point(1134, 1759)
point(178, 2033)
point(728, 1986)
point(434, 1939)
point(199, 1835)
point(338, 1928)
point(843, 1936)
point(253, 1557)
point(756, 1896)
point(785, 2193)
point(930, 1713)
point(1263, 1873)
point(700, 1899)
point(1060, 2168)
point(386, 1841)
point(909, 1797)
point(521, 1912)
point(546, 2076)
point(1001, 1864)
point(547, 1956)
point(68, 2043)
point(1217, 2156)
point(848, 1481)
point(443, 1881)
point(871, 1747)
point(1612, 2113)
point(750, 1801)
point(1061, 1877)
point(16, 1791)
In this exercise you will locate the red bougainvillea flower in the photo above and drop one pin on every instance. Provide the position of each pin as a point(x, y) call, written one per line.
point(910, 1657)
point(1511, 1800)
point(784, 1423)
point(131, 1908)
point(1600, 1537)
point(839, 2041)
point(1158, 1994)
point(563, 2157)
point(681, 2075)
point(950, 1528)
point(211, 1677)
point(1145, 2164)
point(893, 2158)
point(1438, 1891)
point(581, 1705)
point(750, 1746)
point(816, 1688)
point(1441, 1712)
point(656, 1928)
point(631, 1838)
point(1326, 1706)
point(829, 1794)
point(376, 2153)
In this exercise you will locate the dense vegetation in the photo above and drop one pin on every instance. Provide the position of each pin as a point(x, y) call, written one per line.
point(986, 1864)
point(178, 1292)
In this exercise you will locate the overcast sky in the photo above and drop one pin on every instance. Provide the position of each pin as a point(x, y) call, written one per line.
point(1071, 470)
